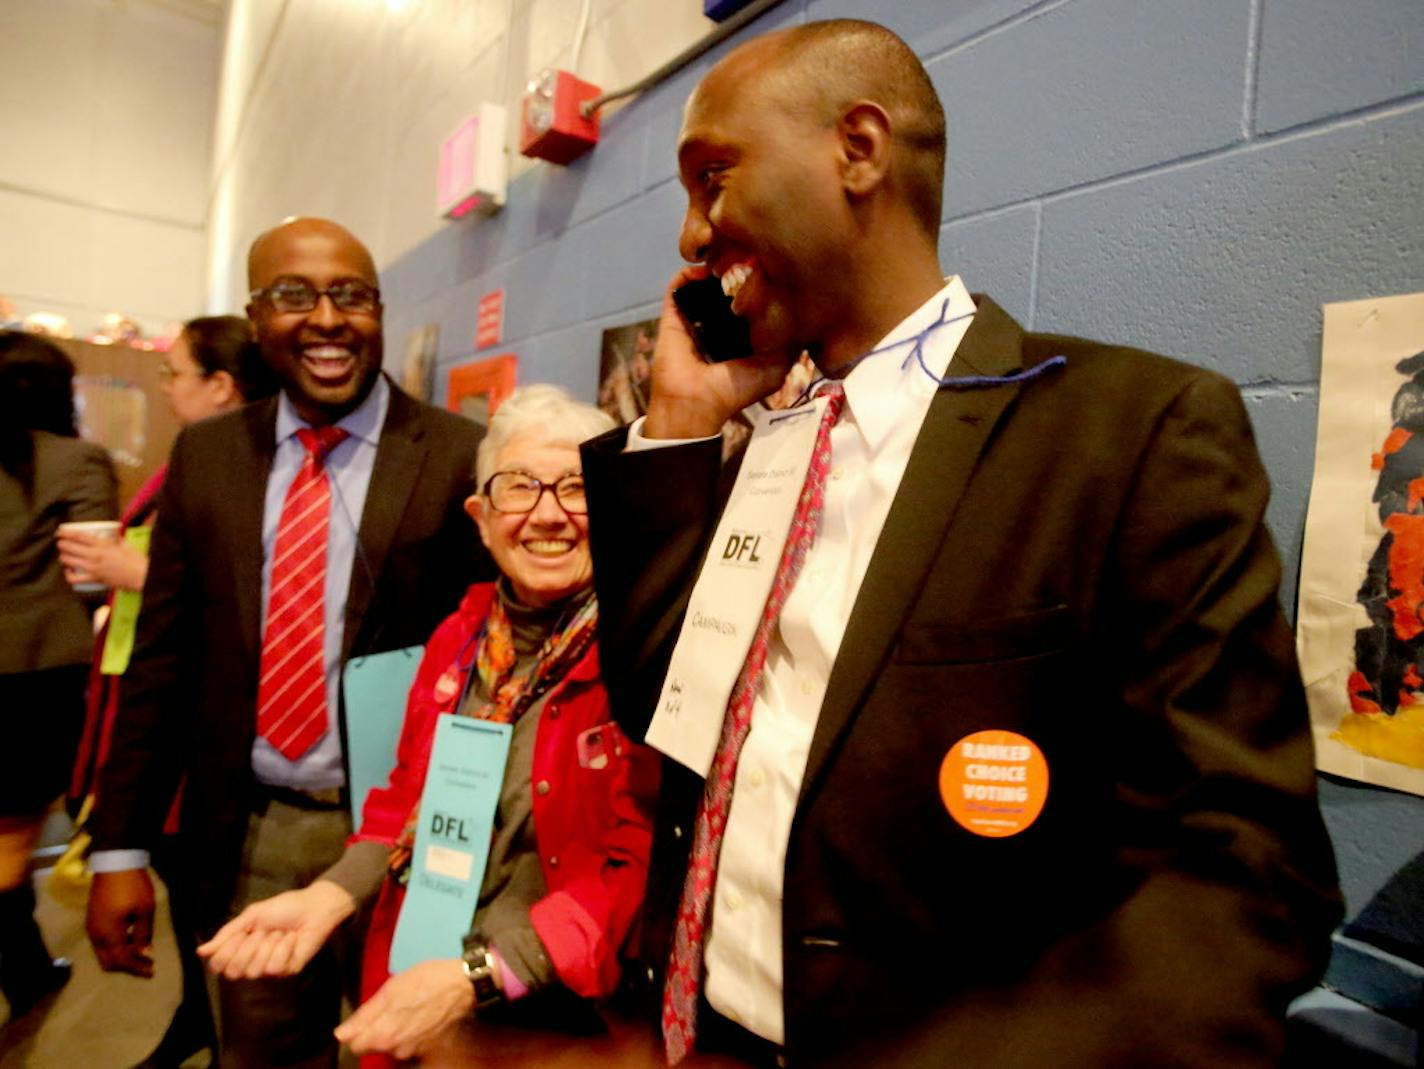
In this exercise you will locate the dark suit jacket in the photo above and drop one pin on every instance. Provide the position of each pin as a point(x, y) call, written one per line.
point(43, 622)
point(1079, 558)
point(190, 693)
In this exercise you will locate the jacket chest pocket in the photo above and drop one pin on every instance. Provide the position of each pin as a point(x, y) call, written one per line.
point(1012, 636)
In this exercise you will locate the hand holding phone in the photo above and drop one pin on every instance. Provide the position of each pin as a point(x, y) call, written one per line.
point(720, 334)
point(693, 396)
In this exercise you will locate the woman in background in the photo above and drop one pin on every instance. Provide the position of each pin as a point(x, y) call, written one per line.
point(48, 476)
point(213, 366)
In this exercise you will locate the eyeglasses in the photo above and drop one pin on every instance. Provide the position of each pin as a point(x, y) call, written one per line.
point(518, 491)
point(298, 295)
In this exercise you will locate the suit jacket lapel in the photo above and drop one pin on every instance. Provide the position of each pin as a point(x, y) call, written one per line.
point(399, 456)
point(248, 493)
point(956, 428)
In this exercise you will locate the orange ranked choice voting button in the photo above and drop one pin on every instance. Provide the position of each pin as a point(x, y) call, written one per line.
point(994, 783)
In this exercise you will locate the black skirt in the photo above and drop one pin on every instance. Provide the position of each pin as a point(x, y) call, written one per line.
point(41, 716)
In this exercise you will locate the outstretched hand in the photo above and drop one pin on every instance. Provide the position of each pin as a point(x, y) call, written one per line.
point(279, 935)
point(410, 1011)
point(692, 398)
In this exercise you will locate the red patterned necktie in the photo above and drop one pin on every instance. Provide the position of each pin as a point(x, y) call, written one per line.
point(291, 691)
point(684, 974)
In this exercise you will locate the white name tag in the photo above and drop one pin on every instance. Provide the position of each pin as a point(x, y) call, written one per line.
point(731, 590)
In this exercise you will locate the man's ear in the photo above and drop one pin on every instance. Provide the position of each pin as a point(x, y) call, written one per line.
point(864, 132)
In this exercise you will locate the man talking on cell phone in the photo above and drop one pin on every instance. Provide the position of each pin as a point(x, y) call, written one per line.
point(986, 741)
point(291, 535)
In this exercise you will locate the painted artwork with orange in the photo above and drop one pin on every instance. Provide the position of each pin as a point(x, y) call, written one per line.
point(1386, 718)
point(994, 783)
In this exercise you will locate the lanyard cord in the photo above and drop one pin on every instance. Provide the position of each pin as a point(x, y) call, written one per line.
point(917, 353)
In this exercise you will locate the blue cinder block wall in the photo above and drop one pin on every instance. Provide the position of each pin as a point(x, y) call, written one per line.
point(1192, 176)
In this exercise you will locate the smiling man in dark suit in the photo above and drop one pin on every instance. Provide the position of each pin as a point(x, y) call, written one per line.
point(1018, 773)
point(291, 536)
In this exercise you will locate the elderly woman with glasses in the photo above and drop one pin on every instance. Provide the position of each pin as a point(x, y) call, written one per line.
point(572, 828)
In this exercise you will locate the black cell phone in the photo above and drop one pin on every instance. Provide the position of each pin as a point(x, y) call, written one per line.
point(719, 332)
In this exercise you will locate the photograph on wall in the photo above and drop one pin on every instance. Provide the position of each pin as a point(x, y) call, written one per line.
point(1360, 627)
point(418, 372)
point(625, 379)
point(625, 369)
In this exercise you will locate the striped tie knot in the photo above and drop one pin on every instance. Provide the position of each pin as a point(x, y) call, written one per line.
point(319, 441)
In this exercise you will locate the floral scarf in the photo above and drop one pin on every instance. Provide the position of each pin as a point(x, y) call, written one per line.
point(511, 694)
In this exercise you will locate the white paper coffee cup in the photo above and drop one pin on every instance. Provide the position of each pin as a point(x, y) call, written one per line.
point(105, 529)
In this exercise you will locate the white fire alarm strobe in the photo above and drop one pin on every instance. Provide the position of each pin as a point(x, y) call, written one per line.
point(473, 165)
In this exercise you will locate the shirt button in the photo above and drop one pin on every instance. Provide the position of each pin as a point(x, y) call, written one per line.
point(553, 712)
point(553, 861)
point(836, 473)
point(677, 831)
point(733, 901)
point(756, 779)
point(807, 685)
point(542, 787)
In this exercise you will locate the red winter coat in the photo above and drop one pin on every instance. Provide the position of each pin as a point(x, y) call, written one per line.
point(593, 825)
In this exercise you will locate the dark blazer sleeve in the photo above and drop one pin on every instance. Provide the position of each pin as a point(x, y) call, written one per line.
point(651, 516)
point(1230, 883)
point(140, 773)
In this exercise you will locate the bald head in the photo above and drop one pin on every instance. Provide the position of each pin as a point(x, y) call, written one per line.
point(272, 246)
point(819, 70)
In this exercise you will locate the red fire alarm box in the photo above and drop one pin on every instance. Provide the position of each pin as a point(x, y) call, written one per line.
point(551, 126)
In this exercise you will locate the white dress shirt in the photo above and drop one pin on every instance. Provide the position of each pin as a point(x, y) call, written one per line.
point(886, 402)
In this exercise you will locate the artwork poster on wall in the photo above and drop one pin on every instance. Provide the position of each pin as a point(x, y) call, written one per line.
point(1360, 626)
point(625, 379)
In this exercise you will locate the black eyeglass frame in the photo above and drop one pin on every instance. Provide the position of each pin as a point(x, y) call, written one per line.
point(265, 293)
point(542, 485)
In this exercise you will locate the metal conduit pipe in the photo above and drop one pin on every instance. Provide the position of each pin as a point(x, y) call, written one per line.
point(682, 59)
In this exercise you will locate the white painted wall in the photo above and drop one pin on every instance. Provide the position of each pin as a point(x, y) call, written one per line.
point(338, 107)
point(105, 121)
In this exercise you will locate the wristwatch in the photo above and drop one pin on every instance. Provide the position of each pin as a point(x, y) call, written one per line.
point(479, 964)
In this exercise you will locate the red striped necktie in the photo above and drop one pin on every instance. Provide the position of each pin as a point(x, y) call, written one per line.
point(684, 974)
point(291, 691)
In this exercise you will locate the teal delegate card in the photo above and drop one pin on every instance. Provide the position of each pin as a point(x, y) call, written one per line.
point(374, 689)
point(452, 839)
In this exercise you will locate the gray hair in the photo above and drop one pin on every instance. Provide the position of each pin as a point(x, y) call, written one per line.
point(543, 412)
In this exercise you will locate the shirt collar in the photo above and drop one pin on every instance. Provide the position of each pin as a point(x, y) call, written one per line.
point(883, 390)
point(364, 421)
